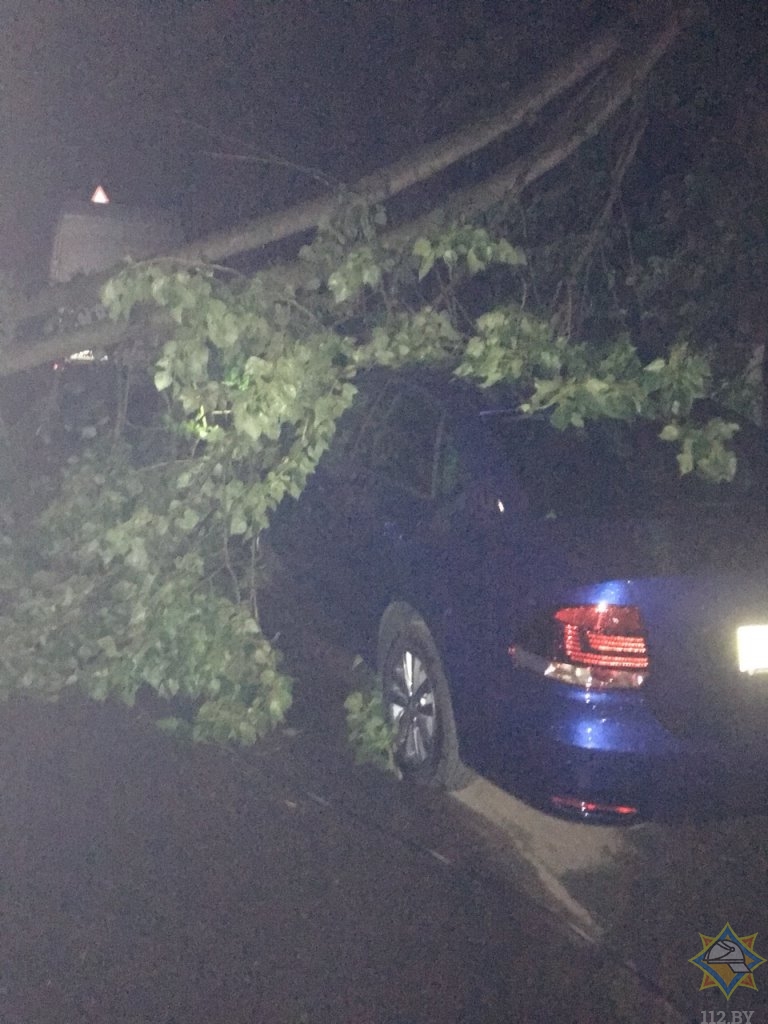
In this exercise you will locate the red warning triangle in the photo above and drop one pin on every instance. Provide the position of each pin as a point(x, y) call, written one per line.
point(100, 196)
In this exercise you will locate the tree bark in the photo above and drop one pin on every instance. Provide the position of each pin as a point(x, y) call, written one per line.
point(581, 121)
point(376, 187)
point(426, 162)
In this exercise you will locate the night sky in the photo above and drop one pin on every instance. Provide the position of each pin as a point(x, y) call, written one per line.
point(179, 103)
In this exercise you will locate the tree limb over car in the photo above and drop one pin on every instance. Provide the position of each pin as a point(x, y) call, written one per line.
point(626, 63)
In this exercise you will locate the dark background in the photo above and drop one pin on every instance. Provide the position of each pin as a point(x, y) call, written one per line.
point(162, 101)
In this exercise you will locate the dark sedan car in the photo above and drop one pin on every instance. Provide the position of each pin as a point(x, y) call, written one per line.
point(560, 610)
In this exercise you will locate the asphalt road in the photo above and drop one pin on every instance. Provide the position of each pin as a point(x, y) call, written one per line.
point(144, 880)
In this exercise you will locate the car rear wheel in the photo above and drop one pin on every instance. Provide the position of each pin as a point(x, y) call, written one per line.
point(417, 702)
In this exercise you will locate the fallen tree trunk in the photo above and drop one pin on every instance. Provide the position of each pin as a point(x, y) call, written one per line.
point(428, 161)
point(376, 187)
point(580, 121)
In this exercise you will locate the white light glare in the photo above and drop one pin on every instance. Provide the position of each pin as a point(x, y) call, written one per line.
point(752, 643)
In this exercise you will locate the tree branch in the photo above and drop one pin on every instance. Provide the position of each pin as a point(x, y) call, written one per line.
point(101, 336)
point(382, 184)
point(622, 165)
point(426, 162)
point(580, 122)
point(562, 317)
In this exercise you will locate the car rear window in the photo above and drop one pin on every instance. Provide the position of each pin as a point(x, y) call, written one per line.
point(614, 466)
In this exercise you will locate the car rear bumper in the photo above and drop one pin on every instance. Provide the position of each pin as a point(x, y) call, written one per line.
point(606, 757)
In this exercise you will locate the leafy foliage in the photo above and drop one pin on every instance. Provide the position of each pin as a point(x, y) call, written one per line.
point(370, 733)
point(145, 570)
point(655, 228)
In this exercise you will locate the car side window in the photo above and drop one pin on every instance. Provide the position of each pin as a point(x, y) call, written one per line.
point(404, 448)
point(374, 408)
point(354, 429)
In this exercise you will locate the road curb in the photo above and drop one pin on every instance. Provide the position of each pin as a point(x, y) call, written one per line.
point(550, 846)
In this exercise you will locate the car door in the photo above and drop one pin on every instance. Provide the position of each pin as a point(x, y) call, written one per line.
point(389, 494)
point(419, 528)
point(315, 534)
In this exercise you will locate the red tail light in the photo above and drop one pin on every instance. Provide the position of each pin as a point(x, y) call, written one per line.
point(603, 636)
point(597, 646)
point(588, 809)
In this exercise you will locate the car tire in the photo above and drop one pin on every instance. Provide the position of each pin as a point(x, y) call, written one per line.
point(417, 702)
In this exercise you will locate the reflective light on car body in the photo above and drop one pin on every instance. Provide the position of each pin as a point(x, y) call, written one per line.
point(586, 736)
point(588, 679)
point(612, 592)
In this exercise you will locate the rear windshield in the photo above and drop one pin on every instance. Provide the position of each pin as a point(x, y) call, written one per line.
point(619, 467)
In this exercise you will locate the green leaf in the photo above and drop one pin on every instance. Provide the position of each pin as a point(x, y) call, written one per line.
point(422, 248)
point(426, 265)
point(371, 275)
point(685, 459)
point(189, 519)
point(339, 287)
point(510, 254)
point(238, 524)
point(656, 366)
point(474, 263)
point(174, 726)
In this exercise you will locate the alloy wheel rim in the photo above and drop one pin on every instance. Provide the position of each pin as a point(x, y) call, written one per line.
point(412, 710)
